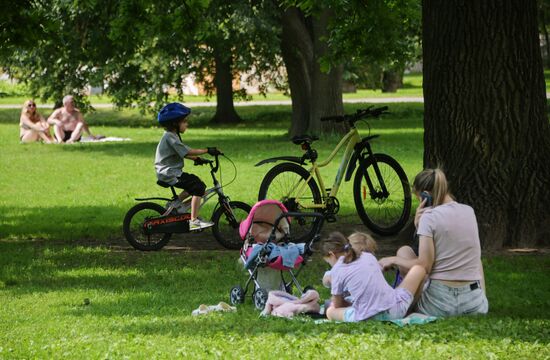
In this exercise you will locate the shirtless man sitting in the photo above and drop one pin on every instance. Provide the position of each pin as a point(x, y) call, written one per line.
point(68, 122)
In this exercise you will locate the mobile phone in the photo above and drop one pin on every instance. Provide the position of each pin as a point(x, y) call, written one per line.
point(426, 195)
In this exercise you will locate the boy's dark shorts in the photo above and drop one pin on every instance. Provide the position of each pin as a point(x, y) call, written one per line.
point(191, 183)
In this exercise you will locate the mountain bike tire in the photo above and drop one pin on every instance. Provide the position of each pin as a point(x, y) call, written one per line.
point(279, 183)
point(226, 226)
point(133, 227)
point(384, 215)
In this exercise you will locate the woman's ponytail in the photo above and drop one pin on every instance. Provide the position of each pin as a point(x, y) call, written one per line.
point(433, 181)
point(440, 188)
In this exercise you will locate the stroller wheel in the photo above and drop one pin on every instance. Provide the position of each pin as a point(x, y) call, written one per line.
point(236, 295)
point(260, 298)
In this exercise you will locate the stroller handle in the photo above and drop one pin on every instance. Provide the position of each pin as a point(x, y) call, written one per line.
point(315, 230)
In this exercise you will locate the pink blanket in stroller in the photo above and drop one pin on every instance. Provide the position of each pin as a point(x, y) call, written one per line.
point(282, 304)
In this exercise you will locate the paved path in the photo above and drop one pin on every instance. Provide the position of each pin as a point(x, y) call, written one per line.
point(376, 100)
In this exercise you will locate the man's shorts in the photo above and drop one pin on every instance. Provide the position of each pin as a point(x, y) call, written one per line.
point(191, 183)
point(398, 311)
point(68, 134)
point(439, 299)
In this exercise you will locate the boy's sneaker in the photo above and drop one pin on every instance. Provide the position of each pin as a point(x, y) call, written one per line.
point(198, 224)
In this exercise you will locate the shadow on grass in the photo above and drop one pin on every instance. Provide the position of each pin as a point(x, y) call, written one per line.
point(158, 291)
point(78, 222)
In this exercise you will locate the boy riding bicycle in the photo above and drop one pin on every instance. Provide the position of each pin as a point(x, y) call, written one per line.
point(169, 161)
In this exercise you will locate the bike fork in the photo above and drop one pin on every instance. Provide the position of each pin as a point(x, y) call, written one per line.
point(372, 190)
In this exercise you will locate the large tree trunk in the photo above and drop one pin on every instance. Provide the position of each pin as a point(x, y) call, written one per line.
point(297, 52)
point(485, 114)
point(223, 79)
point(314, 93)
point(392, 79)
point(326, 94)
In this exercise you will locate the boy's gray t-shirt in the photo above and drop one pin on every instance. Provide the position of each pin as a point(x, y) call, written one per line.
point(453, 227)
point(169, 157)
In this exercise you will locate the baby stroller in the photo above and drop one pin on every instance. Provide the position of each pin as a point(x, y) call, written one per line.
point(268, 244)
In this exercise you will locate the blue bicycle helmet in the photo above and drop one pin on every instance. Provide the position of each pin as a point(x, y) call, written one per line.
point(172, 111)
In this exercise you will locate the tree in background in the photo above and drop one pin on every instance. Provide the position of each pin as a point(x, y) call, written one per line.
point(139, 50)
point(320, 36)
point(486, 115)
point(235, 38)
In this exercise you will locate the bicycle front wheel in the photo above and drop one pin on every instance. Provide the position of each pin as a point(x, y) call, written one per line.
point(282, 183)
point(385, 213)
point(226, 224)
point(134, 231)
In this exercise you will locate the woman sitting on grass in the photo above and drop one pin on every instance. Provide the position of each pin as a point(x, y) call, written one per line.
point(449, 251)
point(32, 126)
point(358, 274)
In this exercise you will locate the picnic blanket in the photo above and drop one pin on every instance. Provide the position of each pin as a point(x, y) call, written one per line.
point(414, 319)
point(101, 138)
point(411, 319)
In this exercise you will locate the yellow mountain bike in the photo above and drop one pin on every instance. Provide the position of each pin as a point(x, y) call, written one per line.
point(380, 188)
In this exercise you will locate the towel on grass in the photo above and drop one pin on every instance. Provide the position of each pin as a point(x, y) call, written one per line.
point(101, 138)
point(411, 319)
point(414, 319)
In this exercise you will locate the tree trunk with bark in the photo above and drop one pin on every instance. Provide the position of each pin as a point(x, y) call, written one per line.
point(223, 80)
point(392, 79)
point(314, 93)
point(485, 114)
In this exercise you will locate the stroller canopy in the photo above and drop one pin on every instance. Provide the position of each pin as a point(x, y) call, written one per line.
point(262, 217)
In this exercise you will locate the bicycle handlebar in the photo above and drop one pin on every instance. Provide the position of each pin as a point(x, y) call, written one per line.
point(360, 114)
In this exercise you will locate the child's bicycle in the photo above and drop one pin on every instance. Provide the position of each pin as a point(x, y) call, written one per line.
point(149, 226)
point(380, 188)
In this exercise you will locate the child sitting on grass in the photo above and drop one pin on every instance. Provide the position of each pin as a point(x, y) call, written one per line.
point(360, 242)
point(359, 273)
point(169, 161)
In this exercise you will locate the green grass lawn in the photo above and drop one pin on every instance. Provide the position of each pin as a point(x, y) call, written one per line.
point(62, 207)
point(83, 190)
point(140, 308)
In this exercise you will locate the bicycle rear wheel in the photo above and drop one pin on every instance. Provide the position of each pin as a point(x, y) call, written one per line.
point(281, 183)
point(134, 231)
point(383, 213)
point(226, 224)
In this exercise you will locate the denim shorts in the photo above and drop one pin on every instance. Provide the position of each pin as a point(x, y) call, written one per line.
point(398, 311)
point(441, 300)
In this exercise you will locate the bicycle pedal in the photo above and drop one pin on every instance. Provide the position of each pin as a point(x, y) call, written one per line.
point(330, 218)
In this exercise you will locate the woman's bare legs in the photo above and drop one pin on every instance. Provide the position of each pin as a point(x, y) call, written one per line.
point(30, 136)
point(405, 252)
point(414, 281)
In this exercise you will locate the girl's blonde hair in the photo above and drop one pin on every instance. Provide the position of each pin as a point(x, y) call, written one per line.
point(351, 248)
point(35, 117)
point(361, 242)
point(434, 181)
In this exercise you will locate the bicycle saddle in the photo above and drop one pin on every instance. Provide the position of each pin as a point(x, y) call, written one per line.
point(302, 139)
point(163, 184)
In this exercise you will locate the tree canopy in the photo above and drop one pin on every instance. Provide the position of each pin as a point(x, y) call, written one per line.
point(138, 49)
